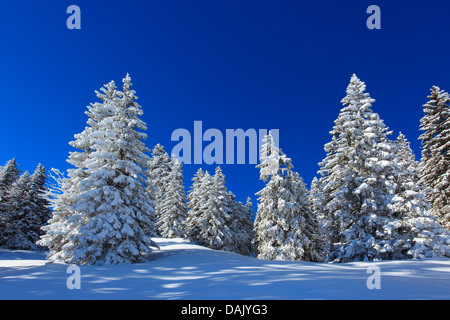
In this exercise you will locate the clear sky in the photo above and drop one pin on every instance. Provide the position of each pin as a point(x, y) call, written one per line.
point(230, 64)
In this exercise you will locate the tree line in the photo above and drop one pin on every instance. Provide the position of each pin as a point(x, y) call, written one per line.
point(371, 201)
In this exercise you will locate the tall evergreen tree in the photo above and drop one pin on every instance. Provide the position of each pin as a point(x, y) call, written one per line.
point(314, 197)
point(251, 216)
point(435, 162)
point(249, 208)
point(8, 174)
point(215, 218)
point(372, 205)
point(210, 221)
point(406, 156)
point(58, 230)
point(110, 213)
point(159, 170)
point(28, 211)
point(241, 224)
point(426, 236)
point(285, 228)
point(358, 183)
point(39, 195)
point(173, 209)
point(16, 221)
point(269, 158)
point(63, 224)
point(195, 197)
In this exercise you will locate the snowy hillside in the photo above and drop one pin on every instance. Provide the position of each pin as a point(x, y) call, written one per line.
point(181, 270)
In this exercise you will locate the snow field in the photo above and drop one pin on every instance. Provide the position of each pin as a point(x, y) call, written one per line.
point(182, 270)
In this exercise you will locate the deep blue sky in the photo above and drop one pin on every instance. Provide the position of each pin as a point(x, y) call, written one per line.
point(231, 64)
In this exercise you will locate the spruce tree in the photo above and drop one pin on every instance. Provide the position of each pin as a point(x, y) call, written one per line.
point(249, 208)
point(159, 170)
point(8, 174)
point(427, 238)
point(173, 209)
point(109, 211)
point(246, 219)
point(241, 225)
point(28, 211)
point(435, 162)
point(39, 197)
point(195, 197)
point(251, 216)
point(314, 198)
point(285, 227)
point(63, 192)
point(358, 183)
point(15, 227)
point(406, 156)
point(213, 218)
point(58, 230)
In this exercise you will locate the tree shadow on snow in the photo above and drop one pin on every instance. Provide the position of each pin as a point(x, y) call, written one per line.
point(185, 271)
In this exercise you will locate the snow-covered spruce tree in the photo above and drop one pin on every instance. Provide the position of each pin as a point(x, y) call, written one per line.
point(210, 223)
point(241, 225)
point(215, 219)
point(193, 194)
point(195, 199)
point(39, 192)
point(57, 231)
point(427, 237)
point(159, 169)
point(173, 209)
point(315, 188)
point(269, 165)
point(110, 213)
point(406, 156)
point(314, 198)
point(39, 204)
point(249, 208)
point(15, 223)
point(435, 162)
point(358, 183)
point(28, 211)
point(8, 174)
point(251, 216)
point(63, 193)
point(150, 191)
point(245, 228)
point(285, 228)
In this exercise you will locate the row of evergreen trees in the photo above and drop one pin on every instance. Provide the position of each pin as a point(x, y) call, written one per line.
point(211, 217)
point(24, 207)
point(117, 197)
point(372, 201)
point(215, 219)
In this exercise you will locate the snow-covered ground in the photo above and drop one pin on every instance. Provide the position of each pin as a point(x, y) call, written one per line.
point(181, 270)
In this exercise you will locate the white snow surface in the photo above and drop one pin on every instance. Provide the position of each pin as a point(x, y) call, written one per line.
point(182, 270)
